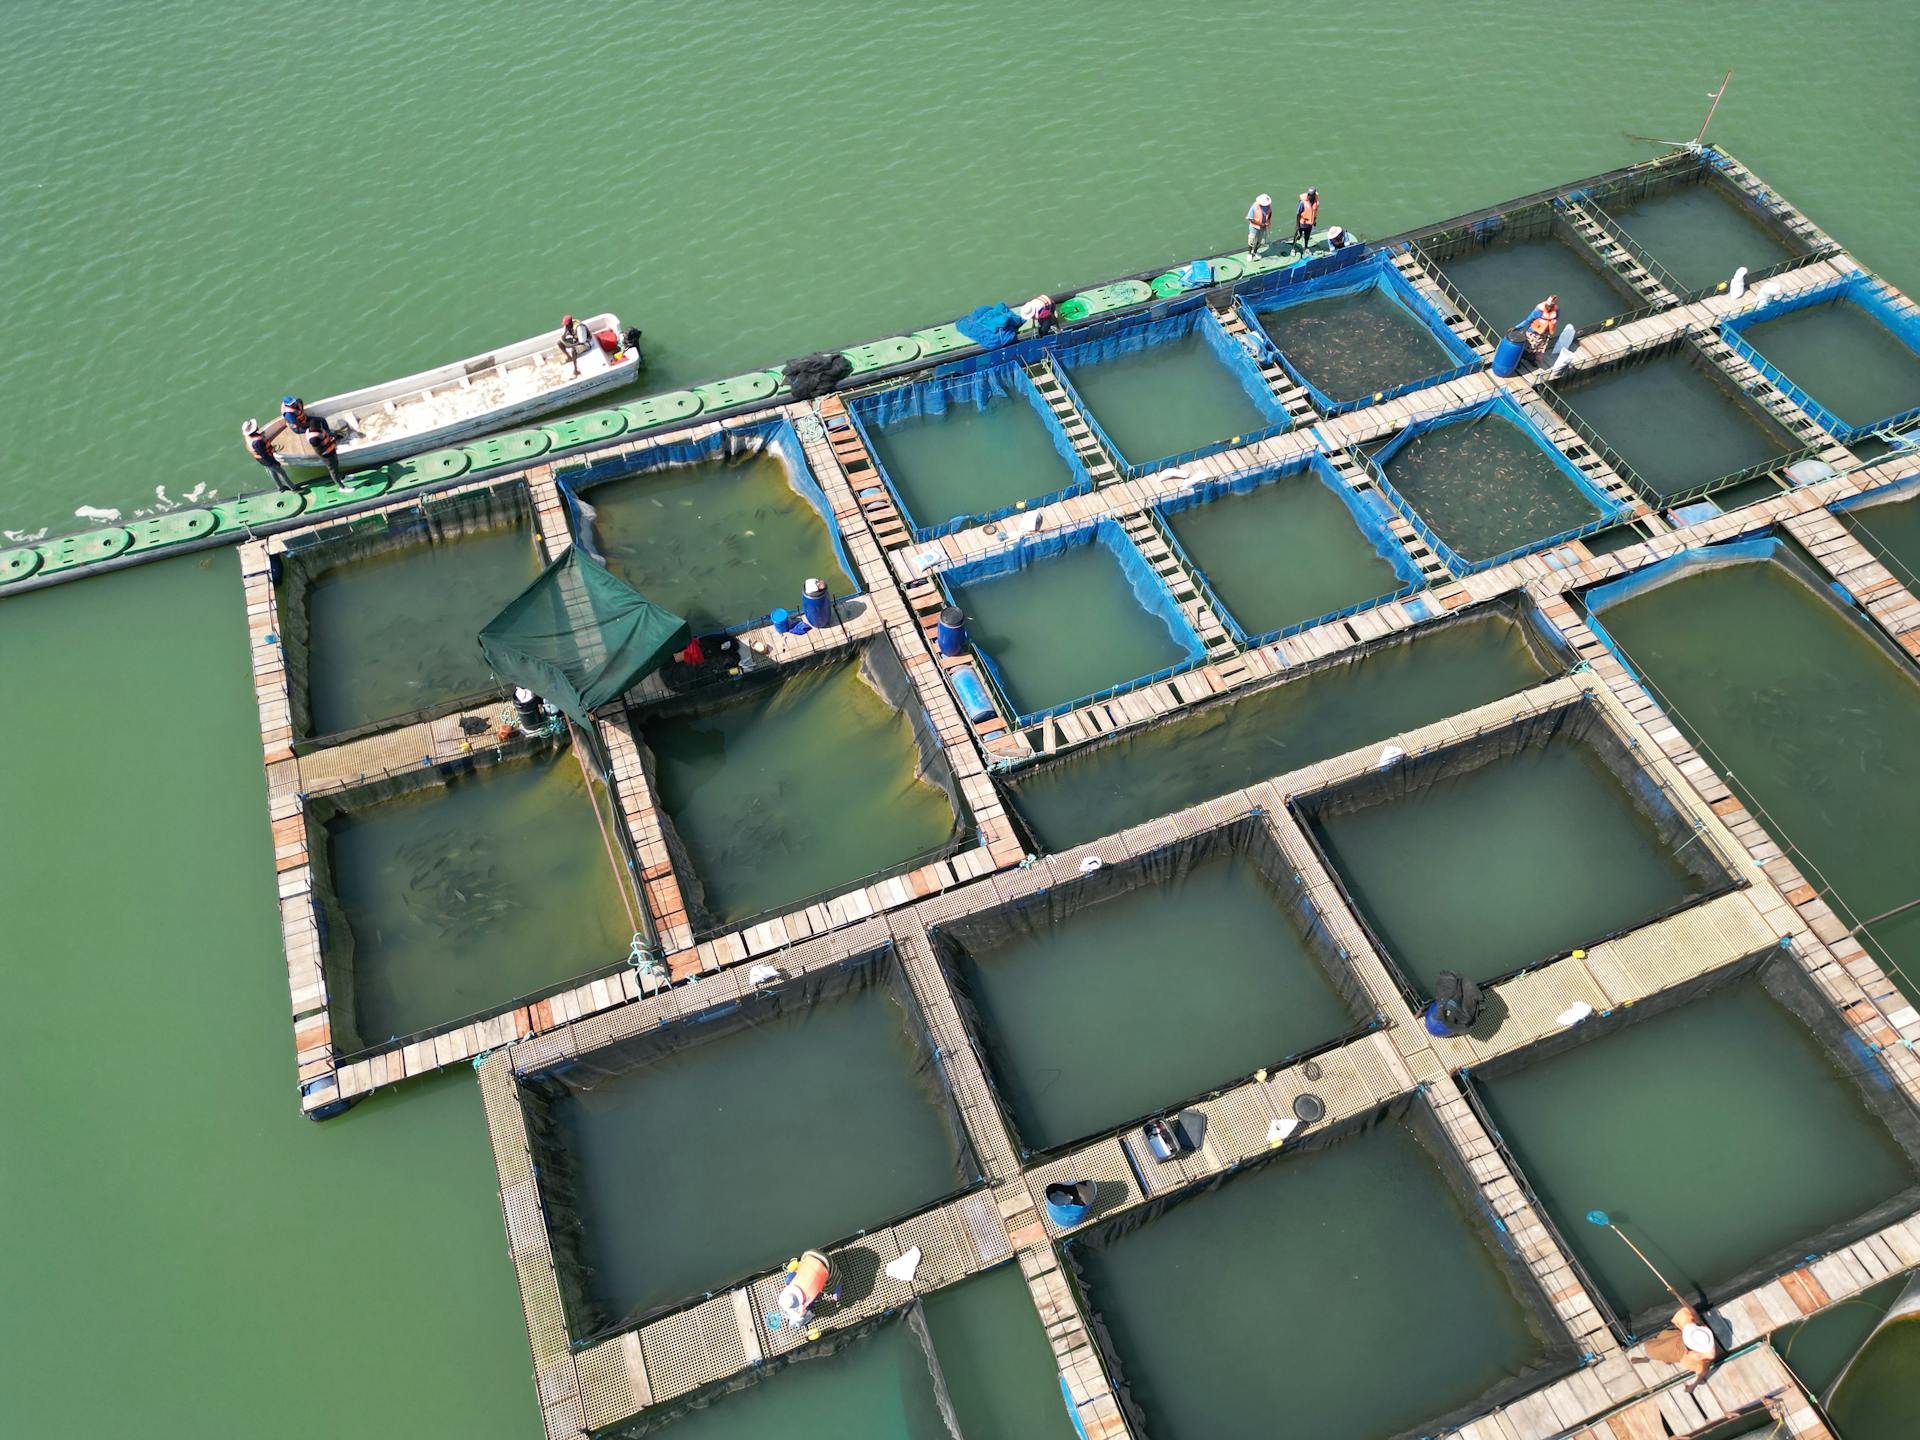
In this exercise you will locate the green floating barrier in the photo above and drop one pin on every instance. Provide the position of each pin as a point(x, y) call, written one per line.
point(940, 339)
point(1072, 310)
point(162, 530)
point(428, 469)
point(882, 353)
point(740, 390)
point(497, 450)
point(1227, 267)
point(250, 512)
point(1262, 264)
point(1103, 298)
point(665, 409)
point(1167, 286)
point(18, 564)
point(90, 548)
point(588, 429)
point(368, 485)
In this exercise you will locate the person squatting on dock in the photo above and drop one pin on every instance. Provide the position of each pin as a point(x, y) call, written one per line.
point(1259, 221)
point(1687, 1342)
point(261, 449)
point(1540, 323)
point(1040, 313)
point(1304, 217)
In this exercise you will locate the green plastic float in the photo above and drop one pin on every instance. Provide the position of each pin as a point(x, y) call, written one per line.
point(882, 353)
point(740, 390)
point(590, 429)
point(171, 529)
point(18, 564)
point(656, 410)
point(939, 340)
point(250, 512)
point(510, 449)
point(1102, 298)
point(429, 469)
point(1166, 286)
point(367, 485)
point(89, 548)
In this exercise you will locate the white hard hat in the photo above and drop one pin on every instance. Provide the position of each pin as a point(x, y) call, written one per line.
point(1699, 1339)
point(1263, 200)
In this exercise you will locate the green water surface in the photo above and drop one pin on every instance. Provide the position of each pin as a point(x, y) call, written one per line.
point(1200, 755)
point(1145, 999)
point(1819, 1347)
point(1701, 236)
point(1167, 399)
point(398, 631)
point(995, 1359)
point(1486, 487)
point(1893, 531)
point(1843, 357)
point(1773, 1143)
point(1271, 1299)
point(1676, 427)
point(1284, 552)
point(1066, 626)
point(480, 171)
point(460, 897)
point(1881, 1394)
point(793, 789)
point(720, 542)
point(689, 1171)
point(1486, 871)
point(970, 461)
point(1810, 718)
point(1350, 346)
point(1506, 279)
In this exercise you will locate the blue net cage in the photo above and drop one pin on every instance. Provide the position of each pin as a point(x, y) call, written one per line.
point(968, 385)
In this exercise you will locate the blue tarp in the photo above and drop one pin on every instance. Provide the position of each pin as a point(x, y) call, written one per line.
point(1373, 517)
point(979, 388)
point(1376, 273)
point(989, 325)
point(1504, 408)
point(1860, 290)
point(1153, 597)
point(1133, 335)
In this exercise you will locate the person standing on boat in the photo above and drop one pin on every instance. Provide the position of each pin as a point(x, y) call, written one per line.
point(1304, 217)
point(261, 449)
point(1259, 222)
point(574, 341)
point(325, 446)
point(293, 410)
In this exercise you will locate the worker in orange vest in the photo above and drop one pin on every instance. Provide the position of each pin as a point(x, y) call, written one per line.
point(325, 446)
point(1304, 218)
point(261, 449)
point(1541, 323)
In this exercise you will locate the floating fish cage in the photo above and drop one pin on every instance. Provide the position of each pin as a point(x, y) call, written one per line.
point(1889, 523)
point(723, 527)
point(1168, 389)
point(966, 448)
point(1059, 619)
point(1510, 848)
point(1277, 1289)
point(1285, 548)
point(1505, 263)
point(1359, 336)
point(1482, 484)
point(1475, 655)
point(1138, 988)
point(451, 891)
point(1847, 353)
point(1697, 226)
point(379, 615)
point(1730, 1125)
point(785, 785)
point(683, 1160)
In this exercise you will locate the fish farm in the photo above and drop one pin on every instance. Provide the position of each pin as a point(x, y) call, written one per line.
point(1073, 886)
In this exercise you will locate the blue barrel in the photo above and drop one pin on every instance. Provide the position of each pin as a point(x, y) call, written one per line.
point(1069, 1204)
point(816, 604)
point(951, 634)
point(1506, 360)
point(782, 620)
point(1435, 1025)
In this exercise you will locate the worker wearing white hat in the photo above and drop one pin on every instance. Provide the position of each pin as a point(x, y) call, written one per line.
point(1259, 221)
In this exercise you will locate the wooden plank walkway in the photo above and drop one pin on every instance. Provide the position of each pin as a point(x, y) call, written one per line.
point(1838, 551)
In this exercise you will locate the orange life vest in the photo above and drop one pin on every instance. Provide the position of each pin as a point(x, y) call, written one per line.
point(259, 447)
point(1309, 209)
point(322, 441)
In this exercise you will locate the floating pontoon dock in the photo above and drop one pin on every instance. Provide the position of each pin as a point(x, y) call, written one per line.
point(1738, 898)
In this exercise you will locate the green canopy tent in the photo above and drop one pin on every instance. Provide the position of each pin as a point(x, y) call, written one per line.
point(580, 637)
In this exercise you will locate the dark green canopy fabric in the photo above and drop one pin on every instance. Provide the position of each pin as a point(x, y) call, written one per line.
point(580, 637)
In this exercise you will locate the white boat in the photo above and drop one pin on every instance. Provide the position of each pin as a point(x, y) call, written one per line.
point(467, 398)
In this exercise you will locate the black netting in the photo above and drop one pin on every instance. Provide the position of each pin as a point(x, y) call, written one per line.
point(1557, 1354)
point(1787, 983)
point(958, 942)
point(1582, 722)
point(553, 1139)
